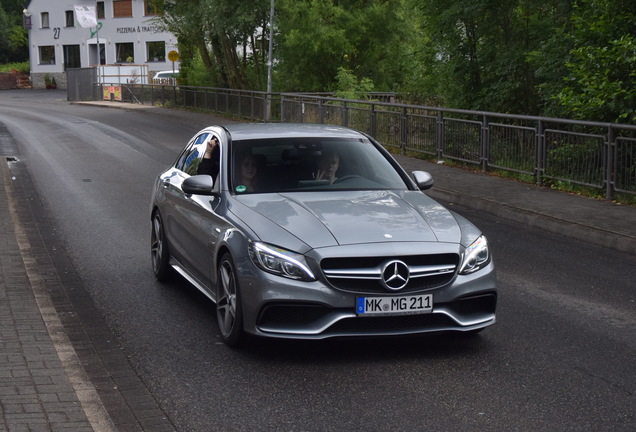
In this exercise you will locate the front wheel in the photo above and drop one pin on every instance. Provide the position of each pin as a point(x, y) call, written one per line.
point(159, 252)
point(229, 313)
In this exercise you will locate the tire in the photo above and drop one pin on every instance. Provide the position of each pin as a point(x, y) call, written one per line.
point(159, 251)
point(229, 312)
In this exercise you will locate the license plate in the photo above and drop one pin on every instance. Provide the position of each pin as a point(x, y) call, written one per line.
point(402, 305)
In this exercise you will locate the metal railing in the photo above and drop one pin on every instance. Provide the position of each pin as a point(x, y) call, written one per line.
point(541, 149)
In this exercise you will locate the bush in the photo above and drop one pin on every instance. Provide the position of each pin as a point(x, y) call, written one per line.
point(22, 67)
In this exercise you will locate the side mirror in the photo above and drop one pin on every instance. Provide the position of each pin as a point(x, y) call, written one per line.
point(423, 180)
point(198, 185)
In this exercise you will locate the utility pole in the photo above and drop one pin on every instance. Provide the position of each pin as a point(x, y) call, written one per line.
point(268, 104)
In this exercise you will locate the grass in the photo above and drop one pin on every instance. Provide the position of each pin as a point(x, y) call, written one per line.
point(20, 67)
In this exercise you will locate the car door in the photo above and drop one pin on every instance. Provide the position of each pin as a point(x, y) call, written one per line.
point(194, 225)
point(174, 196)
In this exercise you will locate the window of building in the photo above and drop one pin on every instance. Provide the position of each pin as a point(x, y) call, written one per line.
point(47, 54)
point(156, 51)
point(44, 17)
point(125, 52)
point(122, 8)
point(99, 9)
point(71, 56)
point(70, 18)
point(152, 7)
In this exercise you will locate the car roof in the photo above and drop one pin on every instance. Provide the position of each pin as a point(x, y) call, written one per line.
point(244, 131)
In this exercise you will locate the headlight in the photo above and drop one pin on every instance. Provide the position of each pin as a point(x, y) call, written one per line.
point(476, 256)
point(280, 262)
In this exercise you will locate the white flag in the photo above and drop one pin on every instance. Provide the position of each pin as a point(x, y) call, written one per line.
point(86, 16)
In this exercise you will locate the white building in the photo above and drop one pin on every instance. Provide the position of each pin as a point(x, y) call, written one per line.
point(125, 33)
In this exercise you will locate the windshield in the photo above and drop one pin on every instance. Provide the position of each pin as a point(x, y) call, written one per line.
point(287, 165)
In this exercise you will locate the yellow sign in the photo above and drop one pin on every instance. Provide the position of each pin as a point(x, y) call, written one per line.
point(113, 92)
point(173, 56)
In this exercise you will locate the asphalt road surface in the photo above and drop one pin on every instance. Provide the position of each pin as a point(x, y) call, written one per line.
point(562, 356)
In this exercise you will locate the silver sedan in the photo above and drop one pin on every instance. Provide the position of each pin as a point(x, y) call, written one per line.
point(315, 231)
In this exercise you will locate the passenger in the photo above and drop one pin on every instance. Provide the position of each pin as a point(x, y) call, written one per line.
point(248, 177)
point(211, 158)
point(328, 164)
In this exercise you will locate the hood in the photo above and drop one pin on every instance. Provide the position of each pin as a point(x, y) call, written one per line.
point(322, 219)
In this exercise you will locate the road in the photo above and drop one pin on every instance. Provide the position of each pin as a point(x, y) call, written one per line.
point(562, 356)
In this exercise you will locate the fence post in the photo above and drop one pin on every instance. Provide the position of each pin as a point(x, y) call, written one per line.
point(321, 112)
point(252, 106)
point(345, 114)
point(485, 143)
point(610, 172)
point(282, 108)
point(439, 136)
point(372, 121)
point(403, 131)
point(540, 152)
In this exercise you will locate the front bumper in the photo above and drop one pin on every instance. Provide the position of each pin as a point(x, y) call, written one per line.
point(281, 308)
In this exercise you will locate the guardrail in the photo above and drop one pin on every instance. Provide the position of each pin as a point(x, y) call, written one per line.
point(541, 149)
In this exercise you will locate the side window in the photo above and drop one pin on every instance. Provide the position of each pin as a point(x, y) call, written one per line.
point(191, 157)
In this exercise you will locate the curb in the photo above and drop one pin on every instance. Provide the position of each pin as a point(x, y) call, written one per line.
point(597, 236)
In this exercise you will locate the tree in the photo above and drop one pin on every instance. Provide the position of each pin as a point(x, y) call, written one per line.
point(598, 80)
point(13, 38)
point(315, 38)
point(213, 29)
point(478, 51)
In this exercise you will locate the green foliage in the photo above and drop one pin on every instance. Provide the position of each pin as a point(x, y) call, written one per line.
point(22, 67)
point(601, 82)
point(197, 74)
point(317, 37)
point(348, 86)
point(212, 30)
point(564, 58)
point(477, 51)
point(593, 61)
point(13, 39)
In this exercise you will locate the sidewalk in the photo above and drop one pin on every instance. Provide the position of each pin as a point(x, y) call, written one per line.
point(60, 369)
point(599, 222)
point(35, 391)
point(43, 384)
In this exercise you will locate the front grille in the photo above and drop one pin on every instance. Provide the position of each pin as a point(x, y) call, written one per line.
point(364, 275)
point(392, 324)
